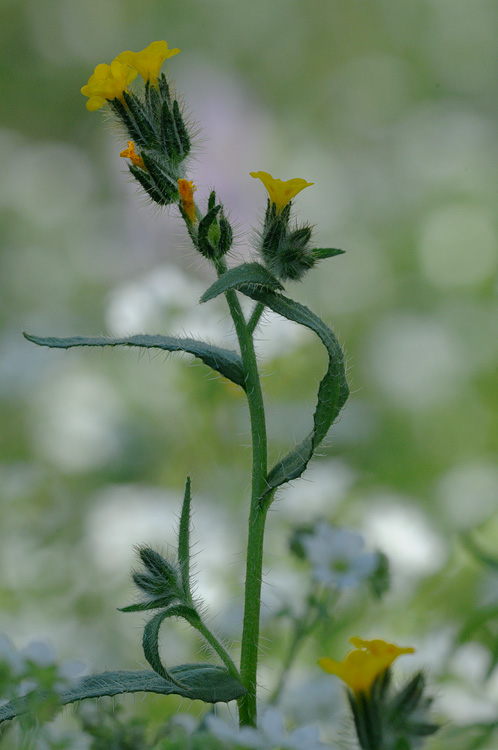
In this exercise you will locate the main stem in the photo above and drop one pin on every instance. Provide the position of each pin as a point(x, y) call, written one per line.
point(257, 514)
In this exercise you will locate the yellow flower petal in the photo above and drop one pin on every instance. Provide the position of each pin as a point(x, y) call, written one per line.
point(281, 192)
point(107, 82)
point(362, 666)
point(148, 62)
point(187, 189)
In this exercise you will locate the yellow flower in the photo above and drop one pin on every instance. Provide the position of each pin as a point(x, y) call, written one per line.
point(362, 666)
point(187, 190)
point(107, 82)
point(130, 153)
point(281, 192)
point(148, 62)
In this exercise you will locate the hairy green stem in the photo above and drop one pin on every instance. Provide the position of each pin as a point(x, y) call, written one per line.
point(255, 317)
point(257, 514)
point(216, 646)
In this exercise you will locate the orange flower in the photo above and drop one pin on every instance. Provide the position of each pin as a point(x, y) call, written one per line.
point(187, 190)
point(130, 153)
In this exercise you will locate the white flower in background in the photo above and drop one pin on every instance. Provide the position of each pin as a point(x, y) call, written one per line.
point(337, 557)
point(270, 734)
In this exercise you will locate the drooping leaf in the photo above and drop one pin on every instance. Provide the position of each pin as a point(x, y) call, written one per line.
point(206, 682)
point(228, 363)
point(150, 638)
point(184, 541)
point(332, 392)
point(247, 275)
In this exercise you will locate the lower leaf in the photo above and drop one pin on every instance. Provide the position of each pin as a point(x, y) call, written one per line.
point(206, 682)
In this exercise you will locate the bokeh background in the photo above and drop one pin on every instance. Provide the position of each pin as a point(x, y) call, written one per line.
point(390, 108)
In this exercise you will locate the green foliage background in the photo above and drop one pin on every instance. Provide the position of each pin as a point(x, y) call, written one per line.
point(390, 109)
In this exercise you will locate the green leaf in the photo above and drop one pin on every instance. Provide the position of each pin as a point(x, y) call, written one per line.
point(247, 275)
point(158, 603)
point(320, 253)
point(206, 682)
point(481, 555)
point(228, 363)
point(333, 390)
point(150, 639)
point(184, 541)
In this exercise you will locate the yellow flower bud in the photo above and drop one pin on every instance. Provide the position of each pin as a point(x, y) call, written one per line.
point(281, 192)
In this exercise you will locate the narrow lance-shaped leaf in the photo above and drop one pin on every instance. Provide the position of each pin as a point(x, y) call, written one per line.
point(184, 541)
point(228, 363)
point(206, 682)
point(332, 392)
point(248, 274)
point(321, 253)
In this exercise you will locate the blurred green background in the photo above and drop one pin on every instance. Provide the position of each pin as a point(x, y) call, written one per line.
point(390, 108)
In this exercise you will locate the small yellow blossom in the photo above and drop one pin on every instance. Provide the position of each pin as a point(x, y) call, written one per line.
point(107, 82)
point(130, 153)
point(362, 666)
point(281, 192)
point(187, 190)
point(148, 62)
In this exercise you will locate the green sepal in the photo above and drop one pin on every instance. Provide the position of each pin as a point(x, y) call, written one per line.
point(184, 542)
point(182, 132)
point(203, 239)
point(211, 200)
point(129, 122)
point(169, 136)
point(248, 275)
point(157, 603)
point(226, 236)
point(150, 639)
point(158, 566)
point(143, 126)
point(300, 237)
point(333, 390)
point(206, 682)
point(320, 253)
point(150, 186)
point(164, 88)
point(228, 363)
point(153, 586)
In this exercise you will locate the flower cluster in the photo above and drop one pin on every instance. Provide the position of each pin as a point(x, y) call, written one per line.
point(287, 252)
point(110, 82)
point(384, 717)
